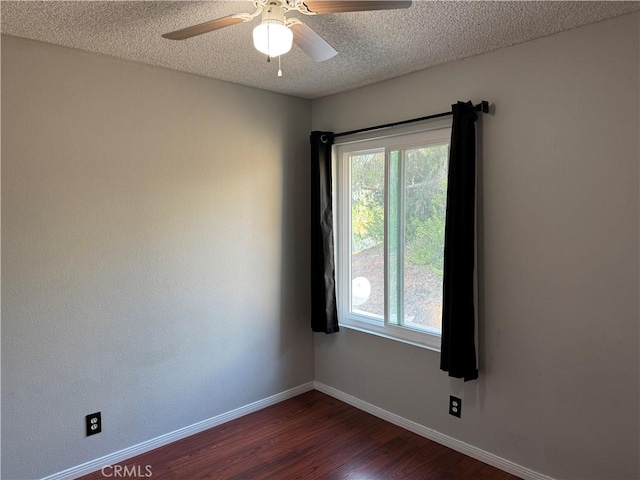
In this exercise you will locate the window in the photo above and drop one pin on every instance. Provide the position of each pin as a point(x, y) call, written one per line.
point(391, 203)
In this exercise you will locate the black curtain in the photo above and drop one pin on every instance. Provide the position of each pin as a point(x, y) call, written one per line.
point(458, 352)
point(324, 315)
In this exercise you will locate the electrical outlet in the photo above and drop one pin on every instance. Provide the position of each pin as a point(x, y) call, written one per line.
point(94, 423)
point(455, 406)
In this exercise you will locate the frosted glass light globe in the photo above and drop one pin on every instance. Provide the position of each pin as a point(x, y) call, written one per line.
point(272, 38)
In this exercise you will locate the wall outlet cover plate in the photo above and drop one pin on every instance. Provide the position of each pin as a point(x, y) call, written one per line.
point(94, 423)
point(455, 406)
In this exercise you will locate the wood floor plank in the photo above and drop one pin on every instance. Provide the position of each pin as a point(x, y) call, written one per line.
point(312, 436)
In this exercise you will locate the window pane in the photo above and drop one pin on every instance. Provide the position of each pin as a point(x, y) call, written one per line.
point(391, 202)
point(425, 193)
point(367, 233)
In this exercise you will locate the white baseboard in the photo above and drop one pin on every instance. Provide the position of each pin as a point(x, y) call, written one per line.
point(171, 437)
point(465, 448)
point(442, 439)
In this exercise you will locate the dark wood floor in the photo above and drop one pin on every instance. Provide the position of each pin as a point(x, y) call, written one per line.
point(311, 436)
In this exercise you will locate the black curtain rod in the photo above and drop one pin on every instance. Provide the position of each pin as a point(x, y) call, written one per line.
point(481, 107)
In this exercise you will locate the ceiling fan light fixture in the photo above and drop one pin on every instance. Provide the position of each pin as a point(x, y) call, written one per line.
point(272, 38)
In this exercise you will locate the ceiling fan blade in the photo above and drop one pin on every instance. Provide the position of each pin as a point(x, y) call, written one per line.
point(342, 6)
point(204, 27)
point(311, 43)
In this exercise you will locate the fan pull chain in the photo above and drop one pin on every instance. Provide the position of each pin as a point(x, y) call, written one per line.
point(268, 35)
point(279, 67)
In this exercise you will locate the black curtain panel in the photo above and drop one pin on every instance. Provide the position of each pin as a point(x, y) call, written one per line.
point(458, 352)
point(324, 315)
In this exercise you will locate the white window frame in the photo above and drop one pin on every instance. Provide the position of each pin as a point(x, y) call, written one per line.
point(435, 135)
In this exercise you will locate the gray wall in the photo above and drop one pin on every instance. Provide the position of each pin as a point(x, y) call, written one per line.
point(154, 252)
point(559, 341)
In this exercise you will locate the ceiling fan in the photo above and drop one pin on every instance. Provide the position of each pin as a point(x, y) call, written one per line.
point(275, 33)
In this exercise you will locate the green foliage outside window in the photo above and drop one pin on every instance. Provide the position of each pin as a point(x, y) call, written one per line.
point(367, 200)
point(425, 187)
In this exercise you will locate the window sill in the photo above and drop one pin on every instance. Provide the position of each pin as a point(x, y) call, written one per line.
point(417, 339)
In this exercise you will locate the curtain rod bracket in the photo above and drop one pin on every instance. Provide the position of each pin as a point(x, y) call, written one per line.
point(483, 107)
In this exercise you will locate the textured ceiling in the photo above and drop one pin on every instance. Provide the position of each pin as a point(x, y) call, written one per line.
point(372, 46)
